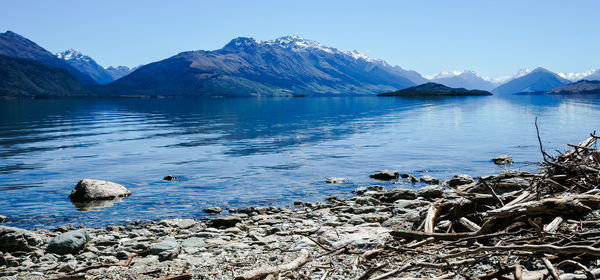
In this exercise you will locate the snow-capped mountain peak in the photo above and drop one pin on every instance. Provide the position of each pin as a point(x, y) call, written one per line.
point(72, 54)
point(576, 76)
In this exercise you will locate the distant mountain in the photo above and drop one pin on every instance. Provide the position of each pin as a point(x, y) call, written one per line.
point(28, 78)
point(433, 89)
point(119, 71)
point(538, 80)
point(593, 76)
point(86, 65)
point(581, 87)
point(285, 66)
point(15, 45)
point(462, 79)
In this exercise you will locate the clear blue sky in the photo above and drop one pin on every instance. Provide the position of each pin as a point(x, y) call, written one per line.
point(495, 38)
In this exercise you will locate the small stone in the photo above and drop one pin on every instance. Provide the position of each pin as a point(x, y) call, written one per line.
point(88, 189)
point(460, 179)
point(68, 267)
point(15, 239)
point(69, 242)
point(193, 242)
point(336, 180)
point(225, 222)
point(385, 175)
point(167, 249)
point(3, 218)
point(213, 210)
point(233, 230)
point(429, 180)
point(185, 223)
point(433, 191)
point(170, 177)
point(503, 160)
point(237, 246)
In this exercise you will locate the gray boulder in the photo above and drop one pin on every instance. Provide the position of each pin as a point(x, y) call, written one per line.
point(429, 180)
point(503, 160)
point(409, 177)
point(460, 179)
point(433, 191)
point(167, 249)
point(69, 242)
point(385, 175)
point(88, 189)
point(225, 222)
point(16, 239)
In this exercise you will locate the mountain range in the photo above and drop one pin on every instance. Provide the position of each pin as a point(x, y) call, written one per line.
point(463, 79)
point(286, 66)
point(87, 65)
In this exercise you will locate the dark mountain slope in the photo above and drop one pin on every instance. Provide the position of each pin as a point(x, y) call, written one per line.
point(26, 78)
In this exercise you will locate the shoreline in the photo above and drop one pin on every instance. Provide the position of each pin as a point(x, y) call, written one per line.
point(459, 229)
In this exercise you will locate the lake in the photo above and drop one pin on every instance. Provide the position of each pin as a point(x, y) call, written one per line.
point(239, 152)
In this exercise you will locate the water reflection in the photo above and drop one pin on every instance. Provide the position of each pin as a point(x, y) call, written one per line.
point(247, 151)
point(94, 204)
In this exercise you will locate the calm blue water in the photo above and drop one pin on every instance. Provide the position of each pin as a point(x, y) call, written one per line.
point(264, 151)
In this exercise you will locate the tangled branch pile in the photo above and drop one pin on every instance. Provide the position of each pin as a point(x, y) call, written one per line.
point(522, 225)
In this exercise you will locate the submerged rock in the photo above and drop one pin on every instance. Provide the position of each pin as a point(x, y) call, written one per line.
point(336, 180)
point(16, 239)
point(170, 178)
point(3, 218)
point(88, 189)
point(503, 160)
point(69, 242)
point(213, 210)
point(385, 175)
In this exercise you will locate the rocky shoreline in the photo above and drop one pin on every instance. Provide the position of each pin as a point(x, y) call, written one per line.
point(379, 233)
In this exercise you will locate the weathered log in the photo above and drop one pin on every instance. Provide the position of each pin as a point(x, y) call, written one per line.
point(550, 249)
point(554, 225)
point(569, 205)
point(266, 270)
point(469, 224)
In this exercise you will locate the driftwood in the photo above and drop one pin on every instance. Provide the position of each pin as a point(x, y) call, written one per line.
point(176, 277)
point(267, 270)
